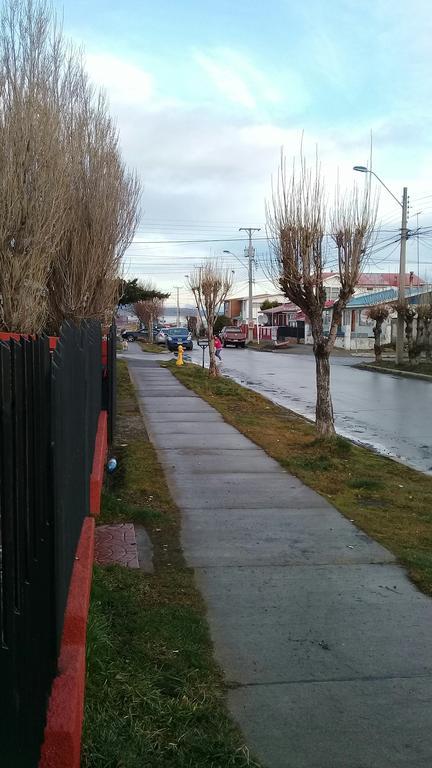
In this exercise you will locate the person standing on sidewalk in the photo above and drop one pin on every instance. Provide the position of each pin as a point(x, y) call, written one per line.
point(218, 347)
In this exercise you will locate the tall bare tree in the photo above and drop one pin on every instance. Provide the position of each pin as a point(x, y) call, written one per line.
point(102, 198)
point(210, 283)
point(297, 222)
point(32, 178)
point(379, 313)
point(68, 206)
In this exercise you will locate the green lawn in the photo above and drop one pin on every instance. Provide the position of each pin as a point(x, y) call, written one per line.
point(155, 698)
point(390, 502)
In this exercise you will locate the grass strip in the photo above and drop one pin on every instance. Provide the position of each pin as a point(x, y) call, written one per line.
point(389, 501)
point(424, 367)
point(148, 346)
point(154, 696)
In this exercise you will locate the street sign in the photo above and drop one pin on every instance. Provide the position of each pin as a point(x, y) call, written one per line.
point(203, 343)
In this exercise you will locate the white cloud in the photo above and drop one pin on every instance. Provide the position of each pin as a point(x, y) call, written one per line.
point(229, 83)
point(199, 163)
point(124, 81)
point(237, 79)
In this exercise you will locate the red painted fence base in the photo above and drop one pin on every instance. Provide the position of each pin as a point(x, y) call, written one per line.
point(62, 744)
point(99, 459)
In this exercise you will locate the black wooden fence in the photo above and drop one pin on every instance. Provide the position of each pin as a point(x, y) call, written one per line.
point(295, 331)
point(49, 409)
point(110, 382)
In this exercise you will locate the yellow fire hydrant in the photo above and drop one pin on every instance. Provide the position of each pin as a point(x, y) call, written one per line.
point(179, 360)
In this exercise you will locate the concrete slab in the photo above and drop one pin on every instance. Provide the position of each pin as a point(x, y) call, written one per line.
point(211, 461)
point(293, 624)
point(382, 723)
point(145, 549)
point(163, 392)
point(243, 490)
point(219, 537)
point(188, 403)
point(186, 427)
point(196, 442)
point(204, 417)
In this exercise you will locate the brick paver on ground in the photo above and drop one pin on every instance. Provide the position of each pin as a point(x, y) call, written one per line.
point(325, 643)
point(116, 544)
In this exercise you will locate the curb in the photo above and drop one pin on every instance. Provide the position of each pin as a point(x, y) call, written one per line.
point(99, 458)
point(393, 371)
point(62, 737)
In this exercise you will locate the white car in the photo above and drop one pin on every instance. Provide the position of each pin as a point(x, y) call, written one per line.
point(160, 337)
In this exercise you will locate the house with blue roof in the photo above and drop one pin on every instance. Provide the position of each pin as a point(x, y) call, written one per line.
point(356, 330)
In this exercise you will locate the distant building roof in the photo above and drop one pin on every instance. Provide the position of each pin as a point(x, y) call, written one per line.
point(382, 279)
point(382, 297)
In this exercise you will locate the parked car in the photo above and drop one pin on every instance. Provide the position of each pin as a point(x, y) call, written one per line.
point(161, 336)
point(231, 334)
point(140, 335)
point(176, 336)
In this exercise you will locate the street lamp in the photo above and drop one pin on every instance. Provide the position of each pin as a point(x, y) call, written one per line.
point(402, 259)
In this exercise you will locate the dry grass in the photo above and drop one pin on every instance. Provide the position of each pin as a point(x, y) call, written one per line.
point(148, 346)
point(390, 502)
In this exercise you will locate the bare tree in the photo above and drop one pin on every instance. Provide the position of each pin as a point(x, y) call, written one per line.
point(102, 198)
point(408, 312)
point(297, 221)
point(424, 322)
point(68, 206)
point(379, 313)
point(148, 312)
point(32, 171)
point(210, 284)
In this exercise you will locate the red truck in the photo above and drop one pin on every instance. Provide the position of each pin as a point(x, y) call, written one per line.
point(230, 334)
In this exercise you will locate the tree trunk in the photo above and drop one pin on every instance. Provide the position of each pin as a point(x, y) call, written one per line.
point(410, 340)
point(420, 338)
point(324, 406)
point(150, 329)
point(213, 367)
point(427, 338)
point(377, 336)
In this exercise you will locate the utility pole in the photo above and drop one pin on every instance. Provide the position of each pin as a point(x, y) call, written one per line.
point(177, 287)
point(418, 245)
point(402, 268)
point(249, 230)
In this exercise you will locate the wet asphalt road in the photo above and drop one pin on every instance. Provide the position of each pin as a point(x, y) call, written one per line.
point(389, 413)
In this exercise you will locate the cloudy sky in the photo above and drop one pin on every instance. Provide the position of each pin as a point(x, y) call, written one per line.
point(205, 94)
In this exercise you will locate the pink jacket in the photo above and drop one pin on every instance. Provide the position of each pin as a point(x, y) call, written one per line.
point(217, 343)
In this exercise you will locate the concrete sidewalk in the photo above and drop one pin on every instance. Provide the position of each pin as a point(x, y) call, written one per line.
point(325, 644)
